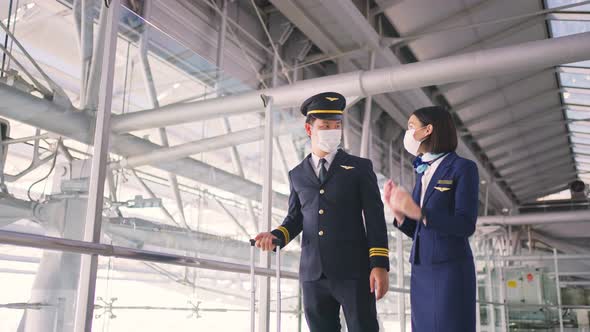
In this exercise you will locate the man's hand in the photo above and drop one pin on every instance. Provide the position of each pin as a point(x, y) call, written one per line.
point(264, 241)
point(379, 281)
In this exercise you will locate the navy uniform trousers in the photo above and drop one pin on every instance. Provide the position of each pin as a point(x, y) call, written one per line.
point(323, 298)
point(443, 281)
point(339, 247)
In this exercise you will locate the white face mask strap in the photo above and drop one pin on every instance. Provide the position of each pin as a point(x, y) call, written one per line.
point(416, 129)
point(423, 138)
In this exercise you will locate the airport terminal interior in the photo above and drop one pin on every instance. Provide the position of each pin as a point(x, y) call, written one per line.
point(144, 142)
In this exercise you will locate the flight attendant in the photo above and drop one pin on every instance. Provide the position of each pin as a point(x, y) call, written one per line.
point(439, 216)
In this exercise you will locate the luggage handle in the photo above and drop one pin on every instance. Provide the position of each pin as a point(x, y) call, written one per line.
point(276, 242)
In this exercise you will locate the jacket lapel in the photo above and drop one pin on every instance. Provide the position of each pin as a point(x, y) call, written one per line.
point(309, 171)
point(438, 174)
point(335, 166)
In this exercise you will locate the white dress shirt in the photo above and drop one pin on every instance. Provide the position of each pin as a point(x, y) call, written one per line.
point(427, 176)
point(315, 161)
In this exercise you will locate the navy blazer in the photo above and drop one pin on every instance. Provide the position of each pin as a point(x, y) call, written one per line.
point(450, 207)
point(336, 240)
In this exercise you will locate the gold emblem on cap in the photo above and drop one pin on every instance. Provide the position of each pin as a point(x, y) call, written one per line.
point(332, 98)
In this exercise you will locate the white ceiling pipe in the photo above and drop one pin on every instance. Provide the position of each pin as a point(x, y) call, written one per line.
point(203, 145)
point(537, 218)
point(529, 56)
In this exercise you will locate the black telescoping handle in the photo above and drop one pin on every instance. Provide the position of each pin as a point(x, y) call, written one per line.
point(276, 242)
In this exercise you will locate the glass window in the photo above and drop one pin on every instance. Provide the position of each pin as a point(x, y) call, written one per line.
point(575, 80)
point(580, 127)
point(559, 3)
point(576, 98)
point(577, 115)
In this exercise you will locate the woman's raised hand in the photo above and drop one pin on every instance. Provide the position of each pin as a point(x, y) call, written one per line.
point(403, 203)
point(390, 194)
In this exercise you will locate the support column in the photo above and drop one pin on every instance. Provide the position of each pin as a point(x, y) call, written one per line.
point(530, 239)
point(558, 288)
point(477, 306)
point(490, 295)
point(487, 200)
point(505, 314)
point(93, 222)
point(498, 273)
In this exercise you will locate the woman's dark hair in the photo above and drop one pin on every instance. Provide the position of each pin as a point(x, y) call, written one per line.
point(444, 133)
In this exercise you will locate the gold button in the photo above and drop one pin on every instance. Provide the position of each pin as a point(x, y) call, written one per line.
point(322, 211)
point(321, 233)
point(322, 191)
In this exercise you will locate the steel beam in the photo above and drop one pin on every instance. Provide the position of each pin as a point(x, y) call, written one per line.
point(544, 180)
point(506, 163)
point(452, 19)
point(151, 194)
point(153, 97)
point(526, 138)
point(74, 124)
point(561, 175)
point(537, 194)
point(548, 175)
point(521, 25)
point(515, 121)
point(498, 91)
point(542, 191)
point(204, 145)
point(292, 96)
point(492, 62)
point(536, 164)
point(95, 66)
point(523, 102)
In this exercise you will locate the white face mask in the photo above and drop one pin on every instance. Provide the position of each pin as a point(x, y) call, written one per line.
point(329, 140)
point(410, 143)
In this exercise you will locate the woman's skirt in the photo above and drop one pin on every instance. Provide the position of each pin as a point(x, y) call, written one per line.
point(443, 297)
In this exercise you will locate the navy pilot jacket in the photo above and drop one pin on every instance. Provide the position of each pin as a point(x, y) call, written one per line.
point(342, 219)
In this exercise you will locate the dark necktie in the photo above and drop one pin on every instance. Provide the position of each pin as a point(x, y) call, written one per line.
point(323, 171)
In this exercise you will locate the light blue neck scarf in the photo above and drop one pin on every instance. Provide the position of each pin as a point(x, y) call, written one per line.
point(422, 163)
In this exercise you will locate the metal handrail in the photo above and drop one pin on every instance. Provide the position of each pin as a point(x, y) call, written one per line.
point(107, 250)
point(88, 248)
